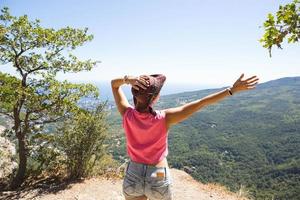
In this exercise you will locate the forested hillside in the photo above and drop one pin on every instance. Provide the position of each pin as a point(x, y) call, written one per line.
point(249, 140)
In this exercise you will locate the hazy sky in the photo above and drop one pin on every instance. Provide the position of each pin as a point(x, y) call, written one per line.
point(203, 42)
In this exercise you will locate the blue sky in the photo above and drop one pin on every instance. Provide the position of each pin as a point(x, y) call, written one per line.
point(205, 42)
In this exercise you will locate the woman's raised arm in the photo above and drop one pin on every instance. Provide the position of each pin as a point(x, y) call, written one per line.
point(178, 114)
point(119, 96)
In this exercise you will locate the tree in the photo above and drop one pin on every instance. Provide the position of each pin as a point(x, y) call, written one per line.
point(35, 98)
point(286, 24)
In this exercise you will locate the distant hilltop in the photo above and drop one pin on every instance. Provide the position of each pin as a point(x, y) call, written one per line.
point(171, 88)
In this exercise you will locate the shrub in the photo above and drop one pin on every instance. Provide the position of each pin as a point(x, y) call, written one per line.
point(81, 140)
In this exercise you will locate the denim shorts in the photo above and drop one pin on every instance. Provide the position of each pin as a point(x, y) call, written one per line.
point(142, 179)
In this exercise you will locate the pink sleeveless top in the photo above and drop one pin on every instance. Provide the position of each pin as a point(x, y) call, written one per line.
point(146, 136)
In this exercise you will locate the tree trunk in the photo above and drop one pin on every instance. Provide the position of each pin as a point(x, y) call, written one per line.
point(19, 178)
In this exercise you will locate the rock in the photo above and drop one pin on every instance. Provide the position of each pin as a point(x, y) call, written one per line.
point(2, 128)
point(7, 153)
point(187, 169)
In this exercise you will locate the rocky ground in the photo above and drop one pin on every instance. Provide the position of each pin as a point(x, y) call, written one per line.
point(7, 151)
point(184, 188)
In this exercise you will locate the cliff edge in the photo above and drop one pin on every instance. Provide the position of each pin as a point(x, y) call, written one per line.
point(184, 188)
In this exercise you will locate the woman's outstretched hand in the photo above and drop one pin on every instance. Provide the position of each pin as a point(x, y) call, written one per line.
point(138, 82)
point(247, 84)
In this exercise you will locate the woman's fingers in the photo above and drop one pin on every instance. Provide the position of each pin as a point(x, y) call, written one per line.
point(144, 80)
point(251, 87)
point(241, 76)
point(252, 81)
point(140, 84)
point(253, 84)
point(249, 79)
point(135, 87)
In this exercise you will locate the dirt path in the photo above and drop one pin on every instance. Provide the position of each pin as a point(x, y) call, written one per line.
point(184, 188)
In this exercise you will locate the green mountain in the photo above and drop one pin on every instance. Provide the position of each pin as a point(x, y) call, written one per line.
point(251, 139)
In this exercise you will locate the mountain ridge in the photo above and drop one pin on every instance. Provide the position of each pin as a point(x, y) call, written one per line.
point(275, 82)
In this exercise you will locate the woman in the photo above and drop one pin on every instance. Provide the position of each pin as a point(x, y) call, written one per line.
point(146, 130)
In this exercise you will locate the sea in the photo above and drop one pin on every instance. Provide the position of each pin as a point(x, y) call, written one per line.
point(170, 88)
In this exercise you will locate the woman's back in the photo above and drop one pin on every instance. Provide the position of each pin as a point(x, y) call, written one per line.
point(146, 136)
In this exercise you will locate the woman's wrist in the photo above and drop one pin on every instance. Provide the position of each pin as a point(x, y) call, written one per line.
point(231, 90)
point(116, 83)
point(125, 79)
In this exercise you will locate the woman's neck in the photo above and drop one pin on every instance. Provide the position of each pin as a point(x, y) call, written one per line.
point(143, 110)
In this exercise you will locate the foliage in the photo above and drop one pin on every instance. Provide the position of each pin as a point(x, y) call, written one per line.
point(107, 166)
point(251, 140)
point(45, 157)
point(286, 24)
point(81, 140)
point(35, 98)
point(75, 147)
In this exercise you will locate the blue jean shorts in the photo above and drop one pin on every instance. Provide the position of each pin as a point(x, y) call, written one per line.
point(142, 179)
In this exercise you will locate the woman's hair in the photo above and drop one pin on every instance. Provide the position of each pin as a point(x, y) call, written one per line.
point(143, 98)
point(142, 103)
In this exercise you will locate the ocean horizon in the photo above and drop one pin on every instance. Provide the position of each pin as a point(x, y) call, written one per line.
point(169, 88)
